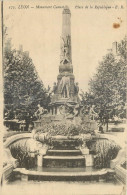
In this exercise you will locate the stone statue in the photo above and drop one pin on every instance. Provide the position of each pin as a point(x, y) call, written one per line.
point(65, 50)
point(65, 86)
point(76, 88)
point(40, 112)
point(54, 88)
point(92, 112)
point(76, 110)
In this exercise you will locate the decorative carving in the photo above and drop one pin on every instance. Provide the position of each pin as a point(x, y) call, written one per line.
point(62, 109)
point(66, 110)
point(69, 110)
point(65, 50)
point(76, 110)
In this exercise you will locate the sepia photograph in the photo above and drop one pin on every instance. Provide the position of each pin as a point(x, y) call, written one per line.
point(64, 90)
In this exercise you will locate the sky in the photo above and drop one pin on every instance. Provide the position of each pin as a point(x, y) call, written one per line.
point(39, 31)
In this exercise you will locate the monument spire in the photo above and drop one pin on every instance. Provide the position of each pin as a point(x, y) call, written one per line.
point(66, 25)
point(65, 57)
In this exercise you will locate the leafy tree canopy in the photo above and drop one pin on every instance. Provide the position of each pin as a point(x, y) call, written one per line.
point(23, 90)
point(107, 88)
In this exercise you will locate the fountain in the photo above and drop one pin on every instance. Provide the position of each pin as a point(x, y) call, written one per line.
point(64, 108)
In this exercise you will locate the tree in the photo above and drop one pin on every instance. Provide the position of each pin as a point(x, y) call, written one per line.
point(108, 86)
point(23, 90)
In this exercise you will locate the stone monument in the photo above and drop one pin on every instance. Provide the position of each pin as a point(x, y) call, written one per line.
point(65, 91)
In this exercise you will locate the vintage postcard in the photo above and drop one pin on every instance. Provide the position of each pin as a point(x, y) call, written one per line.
point(63, 97)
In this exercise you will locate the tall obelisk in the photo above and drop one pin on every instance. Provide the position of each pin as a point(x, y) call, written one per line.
point(66, 37)
point(66, 90)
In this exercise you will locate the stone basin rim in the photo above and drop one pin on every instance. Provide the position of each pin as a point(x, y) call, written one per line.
point(24, 171)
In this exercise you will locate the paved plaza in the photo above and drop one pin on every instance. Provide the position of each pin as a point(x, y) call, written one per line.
point(63, 188)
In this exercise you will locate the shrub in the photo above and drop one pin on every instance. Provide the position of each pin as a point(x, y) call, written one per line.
point(106, 151)
point(65, 129)
point(21, 152)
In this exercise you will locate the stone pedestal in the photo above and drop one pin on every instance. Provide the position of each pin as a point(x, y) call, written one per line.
point(93, 125)
point(84, 151)
point(40, 156)
point(40, 160)
point(89, 160)
point(37, 124)
point(88, 157)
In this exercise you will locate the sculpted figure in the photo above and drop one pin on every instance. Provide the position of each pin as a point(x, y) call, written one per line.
point(92, 112)
point(76, 110)
point(76, 88)
point(65, 86)
point(40, 112)
point(55, 88)
point(65, 50)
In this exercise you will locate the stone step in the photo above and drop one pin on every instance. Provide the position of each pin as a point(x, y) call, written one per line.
point(54, 150)
point(63, 152)
point(84, 175)
point(45, 169)
point(63, 157)
point(63, 161)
